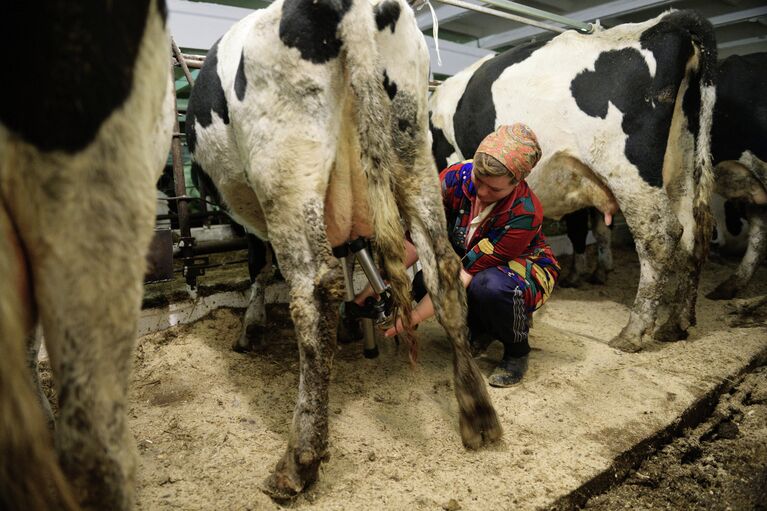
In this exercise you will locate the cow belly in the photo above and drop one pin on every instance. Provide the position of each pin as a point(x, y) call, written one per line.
point(244, 206)
point(564, 184)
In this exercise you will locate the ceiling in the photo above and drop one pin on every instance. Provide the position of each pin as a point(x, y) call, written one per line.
point(465, 35)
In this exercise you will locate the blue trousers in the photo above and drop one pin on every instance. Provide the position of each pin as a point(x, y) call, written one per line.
point(496, 310)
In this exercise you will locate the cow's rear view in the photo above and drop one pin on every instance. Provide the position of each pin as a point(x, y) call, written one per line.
point(311, 119)
point(84, 132)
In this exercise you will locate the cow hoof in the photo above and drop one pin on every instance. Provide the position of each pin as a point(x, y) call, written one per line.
point(624, 344)
point(294, 473)
point(599, 277)
point(249, 339)
point(670, 332)
point(571, 281)
point(280, 489)
point(483, 427)
point(724, 291)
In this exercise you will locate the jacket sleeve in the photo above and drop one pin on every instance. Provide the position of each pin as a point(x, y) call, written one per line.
point(503, 243)
point(450, 181)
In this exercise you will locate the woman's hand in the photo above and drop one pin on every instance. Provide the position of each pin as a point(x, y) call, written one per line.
point(424, 310)
point(397, 328)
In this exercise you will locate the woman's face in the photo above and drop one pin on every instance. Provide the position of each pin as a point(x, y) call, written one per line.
point(492, 188)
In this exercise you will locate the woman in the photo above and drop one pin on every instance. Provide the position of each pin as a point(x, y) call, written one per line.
point(494, 223)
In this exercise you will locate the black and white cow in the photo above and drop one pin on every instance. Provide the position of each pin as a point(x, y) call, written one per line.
point(739, 148)
point(739, 151)
point(310, 116)
point(85, 127)
point(623, 117)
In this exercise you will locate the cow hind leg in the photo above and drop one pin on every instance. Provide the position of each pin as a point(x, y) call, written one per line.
point(316, 288)
point(657, 234)
point(755, 254)
point(30, 477)
point(294, 208)
point(682, 306)
point(577, 230)
point(89, 296)
point(603, 236)
point(478, 419)
point(262, 273)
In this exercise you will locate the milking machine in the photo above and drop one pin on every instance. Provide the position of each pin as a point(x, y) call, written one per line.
point(375, 312)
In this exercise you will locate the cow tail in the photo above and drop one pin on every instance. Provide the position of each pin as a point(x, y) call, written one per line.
point(698, 105)
point(374, 120)
point(703, 74)
point(700, 97)
point(30, 477)
point(704, 39)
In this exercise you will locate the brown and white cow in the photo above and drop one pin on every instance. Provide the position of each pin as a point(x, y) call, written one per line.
point(623, 117)
point(85, 126)
point(310, 116)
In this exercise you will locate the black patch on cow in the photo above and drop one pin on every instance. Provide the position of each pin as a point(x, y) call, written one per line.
point(440, 147)
point(207, 97)
point(621, 77)
point(70, 65)
point(390, 86)
point(475, 114)
point(240, 80)
point(693, 27)
point(311, 27)
point(740, 114)
point(387, 14)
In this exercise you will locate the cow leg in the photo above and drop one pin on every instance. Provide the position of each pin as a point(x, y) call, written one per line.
point(690, 258)
point(262, 273)
point(441, 268)
point(257, 256)
point(755, 253)
point(656, 232)
point(87, 220)
point(88, 284)
point(292, 194)
point(577, 231)
point(316, 287)
point(603, 236)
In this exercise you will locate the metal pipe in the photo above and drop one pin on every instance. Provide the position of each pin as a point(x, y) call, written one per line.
point(371, 272)
point(370, 349)
point(214, 247)
point(193, 61)
point(581, 26)
point(185, 244)
point(182, 62)
point(501, 14)
point(348, 277)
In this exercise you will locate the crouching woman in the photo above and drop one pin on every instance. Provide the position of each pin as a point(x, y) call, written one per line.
point(494, 223)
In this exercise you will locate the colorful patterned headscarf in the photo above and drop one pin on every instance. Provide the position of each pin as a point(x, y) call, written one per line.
point(516, 146)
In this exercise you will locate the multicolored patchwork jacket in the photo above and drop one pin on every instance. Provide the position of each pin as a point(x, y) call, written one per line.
point(510, 238)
